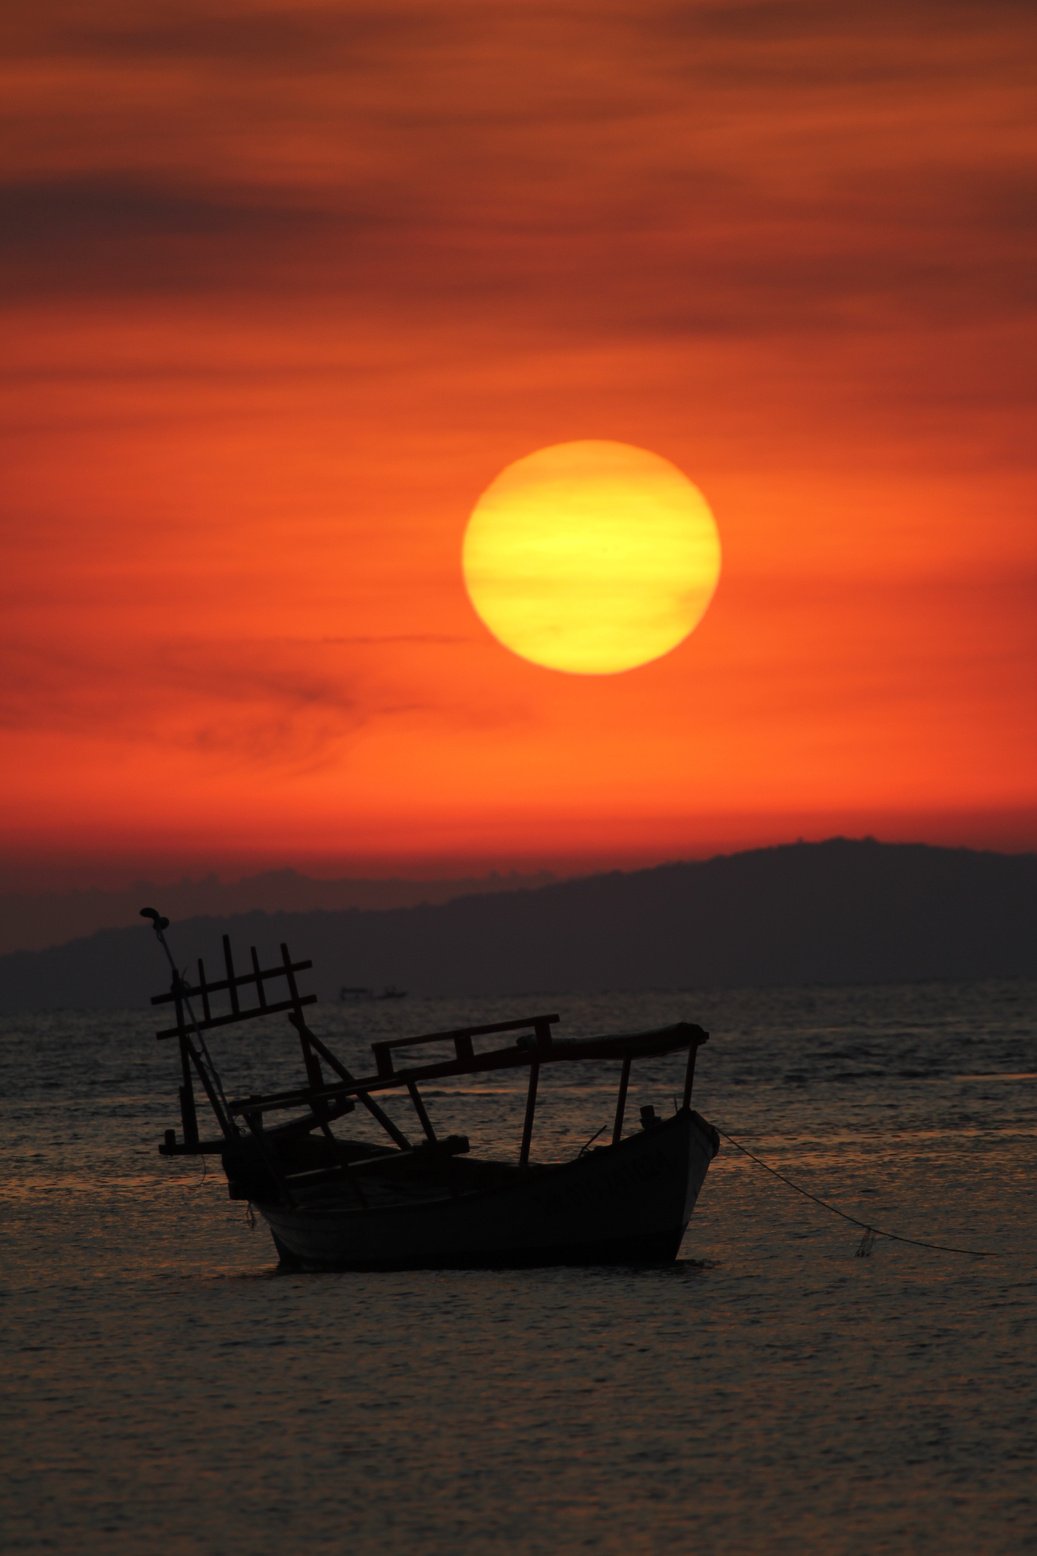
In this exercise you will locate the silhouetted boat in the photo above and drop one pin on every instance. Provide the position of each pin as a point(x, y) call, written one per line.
point(344, 1203)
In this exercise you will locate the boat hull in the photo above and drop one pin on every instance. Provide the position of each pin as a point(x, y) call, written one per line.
point(623, 1204)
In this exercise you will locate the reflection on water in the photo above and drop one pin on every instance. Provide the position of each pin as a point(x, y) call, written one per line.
point(1000, 1075)
point(768, 1393)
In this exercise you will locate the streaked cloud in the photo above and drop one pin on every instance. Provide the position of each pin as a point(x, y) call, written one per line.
point(713, 168)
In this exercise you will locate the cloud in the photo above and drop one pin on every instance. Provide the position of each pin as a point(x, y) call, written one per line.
point(120, 234)
point(253, 38)
point(273, 703)
point(693, 258)
point(701, 168)
point(246, 702)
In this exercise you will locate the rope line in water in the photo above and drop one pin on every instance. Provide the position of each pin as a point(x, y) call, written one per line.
point(870, 1232)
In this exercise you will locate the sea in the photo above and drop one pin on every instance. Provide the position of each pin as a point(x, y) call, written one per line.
point(779, 1389)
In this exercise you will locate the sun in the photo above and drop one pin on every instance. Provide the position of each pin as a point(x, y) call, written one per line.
point(591, 557)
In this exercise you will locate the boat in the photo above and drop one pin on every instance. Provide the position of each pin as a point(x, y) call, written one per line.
point(422, 1199)
point(351, 993)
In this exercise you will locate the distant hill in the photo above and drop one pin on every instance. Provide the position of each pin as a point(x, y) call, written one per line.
point(835, 912)
point(32, 921)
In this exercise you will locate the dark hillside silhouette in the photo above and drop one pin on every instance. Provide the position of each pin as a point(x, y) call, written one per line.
point(835, 912)
point(36, 920)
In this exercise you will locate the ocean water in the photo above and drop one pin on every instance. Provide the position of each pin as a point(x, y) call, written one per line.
point(166, 1391)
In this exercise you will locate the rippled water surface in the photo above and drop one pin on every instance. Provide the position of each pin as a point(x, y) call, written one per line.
point(166, 1391)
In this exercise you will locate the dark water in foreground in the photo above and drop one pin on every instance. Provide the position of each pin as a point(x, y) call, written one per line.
point(165, 1391)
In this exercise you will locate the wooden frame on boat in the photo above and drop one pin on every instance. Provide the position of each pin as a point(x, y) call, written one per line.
point(330, 1203)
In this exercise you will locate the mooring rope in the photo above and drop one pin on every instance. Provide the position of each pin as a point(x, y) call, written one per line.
point(867, 1242)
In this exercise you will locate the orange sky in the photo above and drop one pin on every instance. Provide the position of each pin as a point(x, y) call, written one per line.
point(285, 287)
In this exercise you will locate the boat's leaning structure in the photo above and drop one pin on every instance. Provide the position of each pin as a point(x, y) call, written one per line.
point(332, 1202)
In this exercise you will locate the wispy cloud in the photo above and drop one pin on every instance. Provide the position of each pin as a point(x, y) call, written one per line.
point(691, 169)
point(268, 703)
point(237, 702)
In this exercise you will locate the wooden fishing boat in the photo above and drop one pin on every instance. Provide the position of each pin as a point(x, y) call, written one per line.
point(341, 1202)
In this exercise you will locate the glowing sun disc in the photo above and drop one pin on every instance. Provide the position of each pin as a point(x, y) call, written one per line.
point(591, 557)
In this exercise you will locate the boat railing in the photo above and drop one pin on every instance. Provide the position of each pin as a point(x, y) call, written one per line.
point(537, 1027)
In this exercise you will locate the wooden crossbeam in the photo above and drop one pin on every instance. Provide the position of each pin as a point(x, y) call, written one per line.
point(238, 1015)
point(304, 1096)
point(208, 986)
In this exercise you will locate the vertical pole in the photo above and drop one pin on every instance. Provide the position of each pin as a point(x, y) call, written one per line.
point(258, 976)
point(531, 1103)
point(308, 1056)
point(419, 1108)
point(542, 1032)
point(178, 1005)
point(621, 1102)
point(188, 1111)
point(314, 1074)
point(689, 1074)
point(289, 974)
point(203, 989)
point(232, 987)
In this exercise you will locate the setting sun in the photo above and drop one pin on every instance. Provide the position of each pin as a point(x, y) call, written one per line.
point(591, 557)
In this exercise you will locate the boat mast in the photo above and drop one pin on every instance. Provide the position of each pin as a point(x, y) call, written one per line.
point(200, 1057)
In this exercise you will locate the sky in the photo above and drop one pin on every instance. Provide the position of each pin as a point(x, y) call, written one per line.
point(285, 288)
